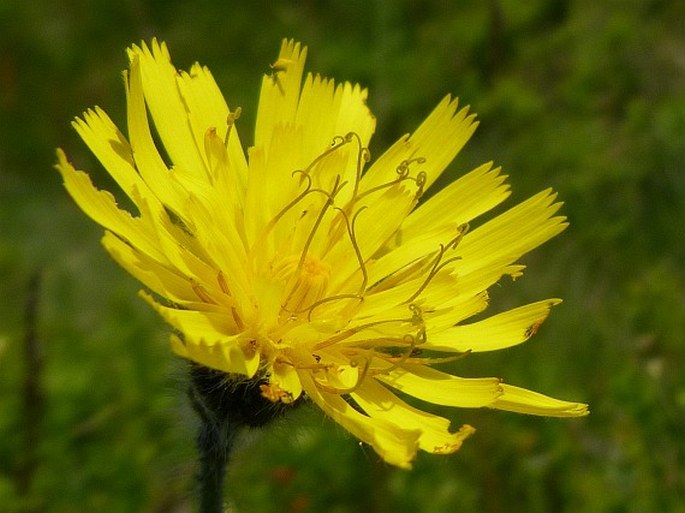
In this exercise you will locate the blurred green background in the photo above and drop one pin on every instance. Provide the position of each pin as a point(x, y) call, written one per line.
point(585, 96)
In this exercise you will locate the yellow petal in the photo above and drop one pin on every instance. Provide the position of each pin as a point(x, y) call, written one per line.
point(497, 332)
point(377, 304)
point(408, 256)
point(438, 140)
point(276, 168)
point(280, 92)
point(394, 444)
point(147, 159)
point(440, 388)
point(112, 149)
point(462, 201)
point(213, 239)
point(287, 379)
point(168, 109)
point(206, 108)
point(520, 400)
point(228, 182)
point(456, 311)
point(353, 114)
point(101, 207)
point(225, 357)
point(392, 206)
point(346, 113)
point(435, 436)
point(211, 326)
point(210, 338)
point(154, 275)
point(504, 239)
point(344, 377)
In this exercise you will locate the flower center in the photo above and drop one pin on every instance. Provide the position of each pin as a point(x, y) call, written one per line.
point(307, 281)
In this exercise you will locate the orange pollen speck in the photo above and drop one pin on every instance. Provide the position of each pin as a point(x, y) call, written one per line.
point(275, 394)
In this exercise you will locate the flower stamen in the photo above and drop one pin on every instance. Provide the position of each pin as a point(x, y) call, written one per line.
point(363, 156)
point(221, 280)
point(330, 201)
point(342, 335)
point(202, 293)
point(360, 379)
point(402, 170)
point(307, 284)
point(337, 143)
point(439, 264)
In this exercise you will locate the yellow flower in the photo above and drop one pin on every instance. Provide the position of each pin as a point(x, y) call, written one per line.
point(302, 265)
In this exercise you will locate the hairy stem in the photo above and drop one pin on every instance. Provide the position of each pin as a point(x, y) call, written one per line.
point(215, 440)
point(226, 405)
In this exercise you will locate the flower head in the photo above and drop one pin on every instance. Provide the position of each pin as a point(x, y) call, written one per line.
point(305, 266)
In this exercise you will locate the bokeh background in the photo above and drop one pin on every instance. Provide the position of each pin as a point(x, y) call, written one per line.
point(585, 96)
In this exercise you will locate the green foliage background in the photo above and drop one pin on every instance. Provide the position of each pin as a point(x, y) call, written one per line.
point(585, 96)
